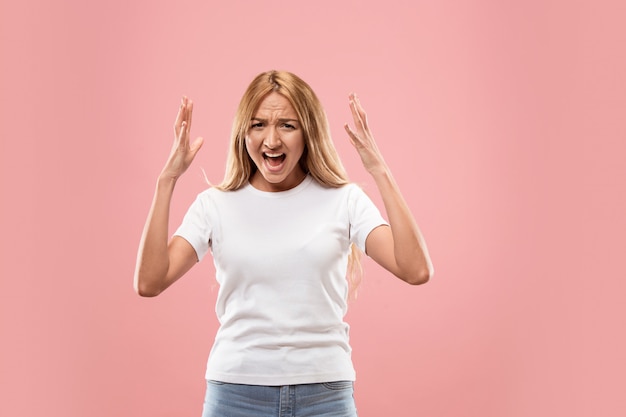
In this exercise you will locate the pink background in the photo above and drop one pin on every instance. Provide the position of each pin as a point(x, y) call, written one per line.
point(503, 121)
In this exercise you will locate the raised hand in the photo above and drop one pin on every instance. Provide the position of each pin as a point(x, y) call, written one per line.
point(362, 139)
point(400, 248)
point(182, 153)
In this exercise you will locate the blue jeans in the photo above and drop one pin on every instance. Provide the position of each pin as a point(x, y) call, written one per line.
point(329, 399)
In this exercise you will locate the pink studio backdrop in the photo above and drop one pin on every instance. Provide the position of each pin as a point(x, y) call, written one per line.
point(504, 123)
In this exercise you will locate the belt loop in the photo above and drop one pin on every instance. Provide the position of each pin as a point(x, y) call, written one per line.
point(285, 408)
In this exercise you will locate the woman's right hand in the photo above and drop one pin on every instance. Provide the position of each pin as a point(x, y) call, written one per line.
point(159, 262)
point(183, 152)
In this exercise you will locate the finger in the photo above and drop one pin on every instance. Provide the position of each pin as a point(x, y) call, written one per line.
point(183, 138)
point(360, 110)
point(351, 135)
point(179, 117)
point(196, 145)
point(355, 115)
point(183, 133)
point(189, 114)
point(355, 112)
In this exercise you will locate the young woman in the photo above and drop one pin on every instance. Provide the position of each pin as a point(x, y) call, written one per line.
point(285, 228)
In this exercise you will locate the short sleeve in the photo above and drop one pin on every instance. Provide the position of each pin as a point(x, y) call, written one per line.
point(364, 216)
point(196, 227)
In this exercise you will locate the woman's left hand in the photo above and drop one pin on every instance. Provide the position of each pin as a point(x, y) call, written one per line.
point(362, 139)
point(400, 248)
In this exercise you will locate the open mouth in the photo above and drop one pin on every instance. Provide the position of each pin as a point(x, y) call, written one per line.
point(274, 159)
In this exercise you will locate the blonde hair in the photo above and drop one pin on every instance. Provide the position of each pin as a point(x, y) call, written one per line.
point(320, 158)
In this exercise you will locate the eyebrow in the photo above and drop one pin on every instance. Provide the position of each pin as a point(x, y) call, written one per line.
point(280, 120)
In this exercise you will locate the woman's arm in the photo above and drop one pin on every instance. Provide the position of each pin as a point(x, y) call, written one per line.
point(400, 248)
point(159, 262)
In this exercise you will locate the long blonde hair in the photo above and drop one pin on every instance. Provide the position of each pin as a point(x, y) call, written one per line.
point(320, 158)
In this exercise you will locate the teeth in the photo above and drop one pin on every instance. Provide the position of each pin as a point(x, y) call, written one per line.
point(273, 155)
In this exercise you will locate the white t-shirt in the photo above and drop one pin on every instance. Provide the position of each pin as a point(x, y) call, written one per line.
point(280, 260)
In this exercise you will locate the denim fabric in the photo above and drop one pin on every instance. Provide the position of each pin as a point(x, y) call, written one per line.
point(328, 399)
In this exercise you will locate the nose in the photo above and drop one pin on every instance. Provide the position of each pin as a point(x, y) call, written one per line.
point(272, 139)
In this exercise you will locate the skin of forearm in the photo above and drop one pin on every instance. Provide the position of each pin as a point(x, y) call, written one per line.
point(409, 245)
point(152, 259)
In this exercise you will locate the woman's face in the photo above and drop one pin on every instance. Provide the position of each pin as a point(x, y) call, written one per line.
point(275, 143)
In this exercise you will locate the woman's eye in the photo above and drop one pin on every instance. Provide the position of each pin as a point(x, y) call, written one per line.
point(288, 126)
point(256, 125)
